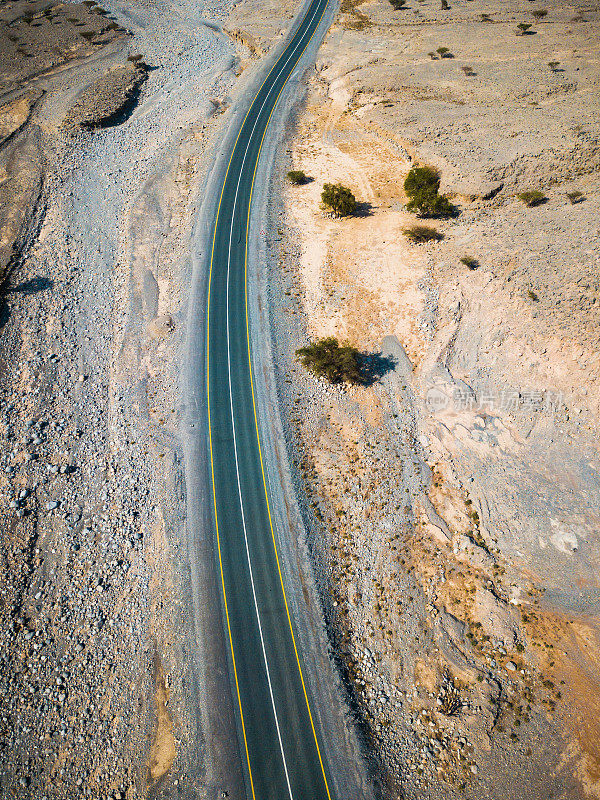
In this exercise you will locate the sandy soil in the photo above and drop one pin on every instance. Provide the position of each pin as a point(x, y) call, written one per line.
point(456, 500)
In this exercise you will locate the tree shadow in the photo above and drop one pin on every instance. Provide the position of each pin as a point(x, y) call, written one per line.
point(363, 209)
point(375, 366)
point(32, 286)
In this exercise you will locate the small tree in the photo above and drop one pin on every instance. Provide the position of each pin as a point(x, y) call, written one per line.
point(444, 52)
point(421, 186)
point(523, 28)
point(540, 13)
point(337, 363)
point(338, 199)
point(553, 65)
point(297, 177)
point(421, 178)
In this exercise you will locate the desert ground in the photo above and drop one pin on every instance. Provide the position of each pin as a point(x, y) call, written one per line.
point(451, 508)
point(453, 504)
point(109, 119)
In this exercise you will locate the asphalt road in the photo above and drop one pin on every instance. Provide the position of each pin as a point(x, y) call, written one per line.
point(277, 730)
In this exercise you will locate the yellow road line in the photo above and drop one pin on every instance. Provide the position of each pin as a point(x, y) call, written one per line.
point(212, 469)
point(262, 467)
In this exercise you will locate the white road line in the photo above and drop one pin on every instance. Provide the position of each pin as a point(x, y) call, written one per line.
point(237, 468)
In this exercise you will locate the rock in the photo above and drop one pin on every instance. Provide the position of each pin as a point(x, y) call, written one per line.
point(52, 504)
point(511, 666)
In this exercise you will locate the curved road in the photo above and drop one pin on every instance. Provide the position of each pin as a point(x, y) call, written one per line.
point(277, 729)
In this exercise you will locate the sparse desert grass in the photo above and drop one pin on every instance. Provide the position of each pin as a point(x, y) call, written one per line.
point(532, 198)
point(418, 234)
point(575, 197)
point(469, 262)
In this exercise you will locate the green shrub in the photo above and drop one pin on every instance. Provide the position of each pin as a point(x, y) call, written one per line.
point(421, 186)
point(575, 197)
point(523, 28)
point(469, 262)
point(532, 198)
point(532, 295)
point(540, 13)
point(445, 6)
point(553, 65)
point(338, 199)
point(422, 233)
point(444, 52)
point(398, 5)
point(297, 177)
point(337, 363)
point(421, 178)
point(431, 205)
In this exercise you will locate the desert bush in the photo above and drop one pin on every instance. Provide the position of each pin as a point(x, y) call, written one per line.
point(444, 52)
point(540, 13)
point(421, 179)
point(421, 186)
point(338, 199)
point(432, 56)
point(469, 72)
point(553, 65)
point(422, 233)
point(297, 177)
point(532, 198)
point(532, 295)
point(398, 5)
point(523, 28)
point(575, 197)
point(486, 18)
point(327, 359)
point(469, 262)
point(445, 6)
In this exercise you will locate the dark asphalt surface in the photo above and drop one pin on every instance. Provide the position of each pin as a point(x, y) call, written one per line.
point(282, 747)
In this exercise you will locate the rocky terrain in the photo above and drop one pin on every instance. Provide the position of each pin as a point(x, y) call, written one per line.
point(108, 121)
point(453, 504)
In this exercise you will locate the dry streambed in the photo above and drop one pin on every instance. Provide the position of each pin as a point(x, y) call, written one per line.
point(108, 119)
